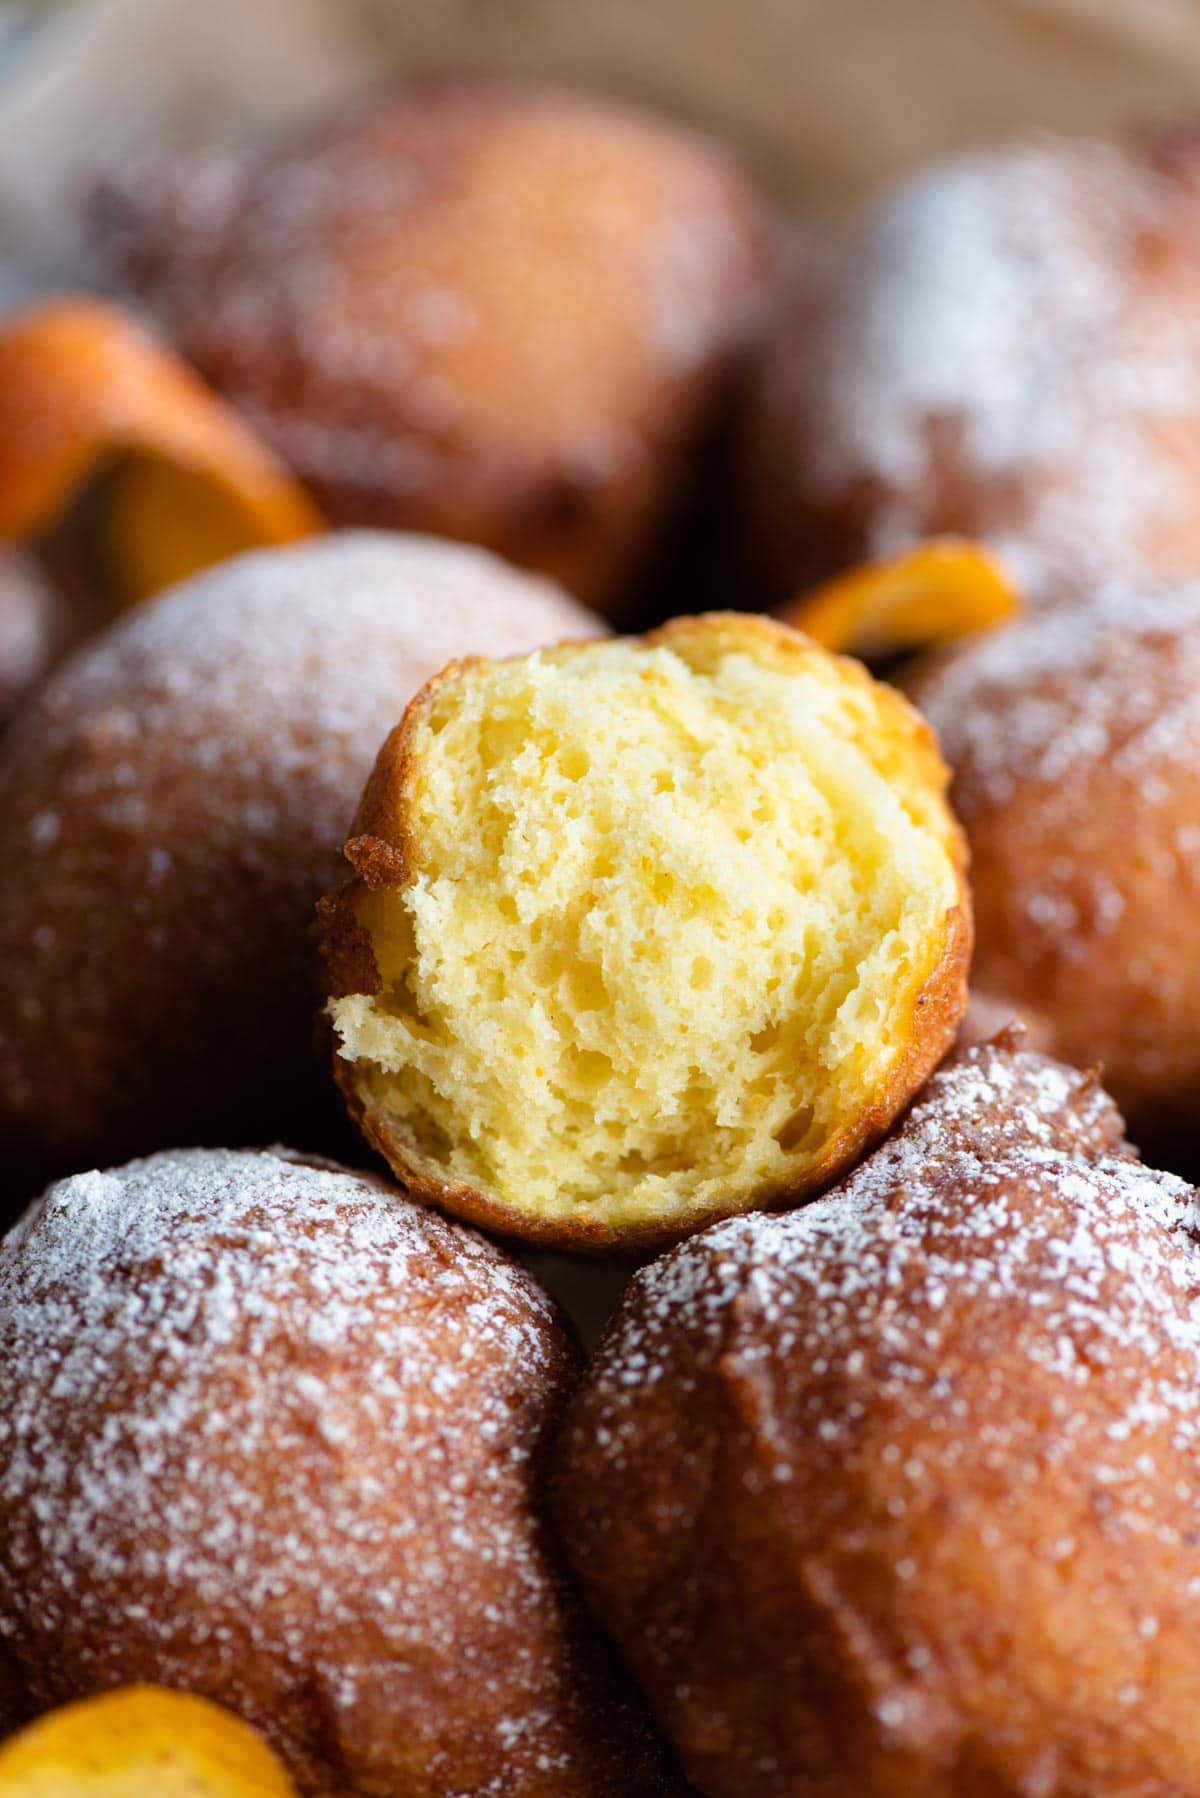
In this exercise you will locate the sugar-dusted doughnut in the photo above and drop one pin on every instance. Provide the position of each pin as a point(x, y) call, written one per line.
point(1074, 739)
point(898, 1494)
point(274, 1436)
point(1004, 346)
point(496, 312)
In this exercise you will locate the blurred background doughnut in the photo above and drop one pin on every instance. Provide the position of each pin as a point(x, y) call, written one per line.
point(505, 314)
point(1003, 346)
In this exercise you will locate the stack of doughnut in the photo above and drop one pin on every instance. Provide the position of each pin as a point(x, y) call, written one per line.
point(531, 940)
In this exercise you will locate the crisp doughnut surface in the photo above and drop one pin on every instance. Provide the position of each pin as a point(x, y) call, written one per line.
point(643, 932)
point(897, 1494)
point(273, 1435)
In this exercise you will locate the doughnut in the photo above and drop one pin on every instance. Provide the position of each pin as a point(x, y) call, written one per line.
point(639, 933)
point(34, 627)
point(1003, 346)
point(897, 1494)
point(274, 1436)
point(492, 312)
point(172, 804)
point(1074, 738)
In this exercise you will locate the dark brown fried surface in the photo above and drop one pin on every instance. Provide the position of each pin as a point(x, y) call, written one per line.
point(898, 1494)
point(274, 1435)
point(500, 314)
point(171, 807)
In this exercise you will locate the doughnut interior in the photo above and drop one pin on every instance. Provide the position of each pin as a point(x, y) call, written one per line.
point(660, 928)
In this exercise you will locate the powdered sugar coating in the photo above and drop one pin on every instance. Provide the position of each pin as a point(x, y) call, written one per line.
point(1111, 679)
point(1008, 344)
point(947, 1193)
point(272, 1433)
point(933, 1439)
point(173, 805)
point(1074, 739)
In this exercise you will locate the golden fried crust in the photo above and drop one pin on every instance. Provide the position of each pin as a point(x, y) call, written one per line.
point(275, 1436)
point(171, 807)
point(897, 1494)
point(382, 851)
point(1075, 747)
point(998, 348)
point(500, 314)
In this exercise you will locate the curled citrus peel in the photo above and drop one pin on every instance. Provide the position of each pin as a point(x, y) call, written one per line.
point(138, 1741)
point(84, 393)
point(940, 590)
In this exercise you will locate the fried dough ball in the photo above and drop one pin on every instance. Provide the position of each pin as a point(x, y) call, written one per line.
point(1074, 737)
point(34, 627)
point(1003, 346)
point(898, 1494)
point(171, 807)
point(274, 1436)
point(491, 312)
point(640, 933)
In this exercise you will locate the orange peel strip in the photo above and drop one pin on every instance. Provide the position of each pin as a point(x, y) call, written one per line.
point(940, 590)
point(82, 388)
point(137, 1741)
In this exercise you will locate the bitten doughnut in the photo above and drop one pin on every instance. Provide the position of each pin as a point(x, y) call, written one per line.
point(492, 312)
point(1002, 346)
point(171, 807)
point(274, 1436)
point(639, 933)
point(1074, 738)
point(897, 1495)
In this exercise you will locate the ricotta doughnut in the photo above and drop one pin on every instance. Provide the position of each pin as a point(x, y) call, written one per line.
point(1074, 740)
point(1004, 345)
point(898, 1494)
point(500, 313)
point(274, 1436)
point(640, 933)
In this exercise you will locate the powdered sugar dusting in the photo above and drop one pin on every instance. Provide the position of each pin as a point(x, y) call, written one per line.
point(1007, 1198)
point(1010, 314)
point(272, 1425)
point(1113, 679)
